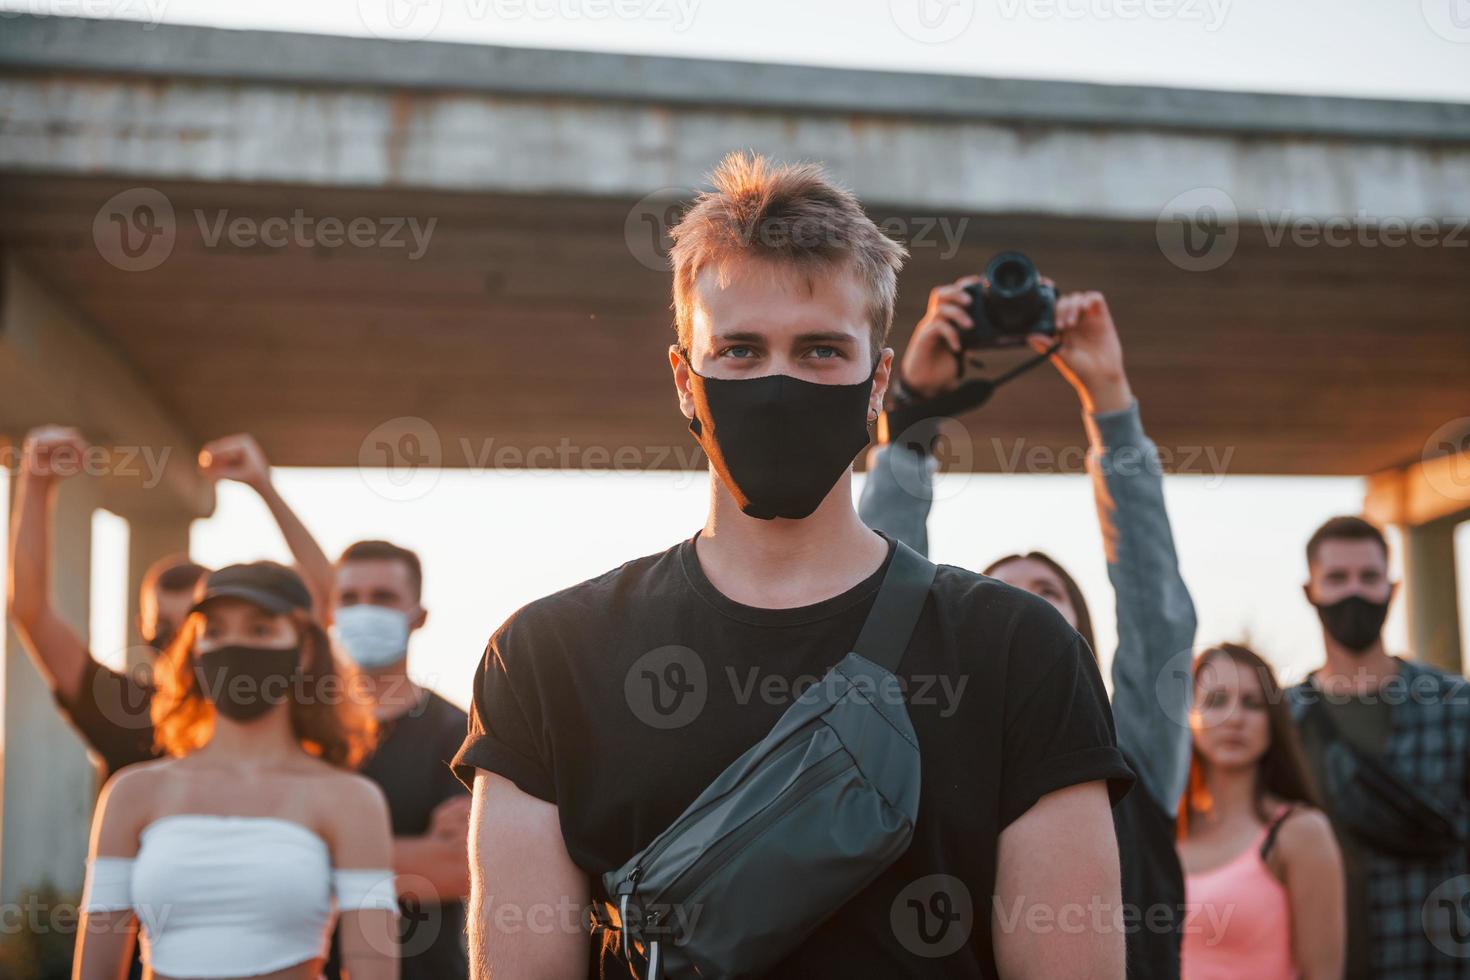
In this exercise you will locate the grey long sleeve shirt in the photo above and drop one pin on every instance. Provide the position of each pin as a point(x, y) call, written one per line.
point(1156, 618)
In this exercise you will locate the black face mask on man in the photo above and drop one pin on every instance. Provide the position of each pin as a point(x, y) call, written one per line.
point(1354, 621)
point(778, 443)
point(245, 682)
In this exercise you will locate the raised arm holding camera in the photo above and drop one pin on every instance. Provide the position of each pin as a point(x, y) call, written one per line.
point(1156, 620)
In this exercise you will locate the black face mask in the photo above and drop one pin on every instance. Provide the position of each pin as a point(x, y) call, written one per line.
point(246, 682)
point(160, 641)
point(1354, 622)
point(778, 443)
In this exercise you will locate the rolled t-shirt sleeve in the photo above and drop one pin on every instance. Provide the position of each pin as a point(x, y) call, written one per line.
point(1058, 727)
point(110, 710)
point(505, 733)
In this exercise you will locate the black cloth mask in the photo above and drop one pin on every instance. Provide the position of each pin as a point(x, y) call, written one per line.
point(1355, 622)
point(779, 443)
point(245, 682)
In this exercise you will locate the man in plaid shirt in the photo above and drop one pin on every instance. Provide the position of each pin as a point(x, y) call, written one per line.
point(1408, 913)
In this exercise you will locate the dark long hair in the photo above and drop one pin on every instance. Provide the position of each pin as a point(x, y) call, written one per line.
point(1074, 594)
point(1282, 769)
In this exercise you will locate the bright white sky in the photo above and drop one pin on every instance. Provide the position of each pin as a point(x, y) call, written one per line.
point(1412, 49)
point(495, 540)
point(492, 541)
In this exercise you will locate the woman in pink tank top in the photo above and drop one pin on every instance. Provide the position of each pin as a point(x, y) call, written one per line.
point(1263, 875)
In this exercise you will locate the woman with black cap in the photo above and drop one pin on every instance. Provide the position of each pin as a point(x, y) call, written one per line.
point(236, 852)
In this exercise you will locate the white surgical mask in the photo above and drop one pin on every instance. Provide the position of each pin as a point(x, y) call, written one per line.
point(372, 636)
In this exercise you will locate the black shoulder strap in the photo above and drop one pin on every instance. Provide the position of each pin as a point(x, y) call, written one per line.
point(1273, 829)
point(895, 612)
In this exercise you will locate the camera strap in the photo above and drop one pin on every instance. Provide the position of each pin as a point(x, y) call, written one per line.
point(916, 423)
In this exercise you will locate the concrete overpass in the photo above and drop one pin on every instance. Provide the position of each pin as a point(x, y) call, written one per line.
point(180, 261)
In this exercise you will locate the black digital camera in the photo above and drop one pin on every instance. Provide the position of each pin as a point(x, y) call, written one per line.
point(1012, 303)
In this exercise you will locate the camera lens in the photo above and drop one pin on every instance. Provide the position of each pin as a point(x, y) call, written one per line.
point(1011, 274)
point(1013, 300)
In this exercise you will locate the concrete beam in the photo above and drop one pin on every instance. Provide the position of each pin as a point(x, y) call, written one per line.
point(467, 142)
point(1437, 489)
point(50, 784)
point(54, 369)
point(114, 47)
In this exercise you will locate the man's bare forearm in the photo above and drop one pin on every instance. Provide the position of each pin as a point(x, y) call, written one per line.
point(30, 549)
point(55, 648)
point(311, 560)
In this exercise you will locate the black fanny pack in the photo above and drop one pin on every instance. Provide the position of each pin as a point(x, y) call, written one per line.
point(1380, 809)
point(796, 826)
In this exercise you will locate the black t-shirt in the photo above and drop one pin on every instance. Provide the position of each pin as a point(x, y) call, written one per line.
point(1153, 886)
point(411, 766)
point(110, 712)
point(619, 699)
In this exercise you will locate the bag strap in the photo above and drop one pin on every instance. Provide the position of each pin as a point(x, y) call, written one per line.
point(1273, 828)
point(895, 613)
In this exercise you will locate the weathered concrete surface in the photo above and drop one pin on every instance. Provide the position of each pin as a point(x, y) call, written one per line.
point(195, 104)
point(176, 52)
point(535, 313)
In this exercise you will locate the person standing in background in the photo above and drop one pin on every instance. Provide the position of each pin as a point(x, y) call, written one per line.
point(235, 854)
point(373, 597)
point(1263, 874)
point(1388, 742)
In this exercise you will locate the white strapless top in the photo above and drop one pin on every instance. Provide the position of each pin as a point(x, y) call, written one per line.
point(222, 896)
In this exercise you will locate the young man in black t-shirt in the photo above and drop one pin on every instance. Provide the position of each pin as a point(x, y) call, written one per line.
point(601, 711)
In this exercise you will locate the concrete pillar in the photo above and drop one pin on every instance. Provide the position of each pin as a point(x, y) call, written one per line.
point(1434, 601)
point(50, 783)
point(55, 369)
point(151, 536)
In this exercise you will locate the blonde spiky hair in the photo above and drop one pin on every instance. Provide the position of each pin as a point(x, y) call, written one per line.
point(789, 214)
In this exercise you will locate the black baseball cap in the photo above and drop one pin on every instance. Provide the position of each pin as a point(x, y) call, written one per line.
point(271, 586)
